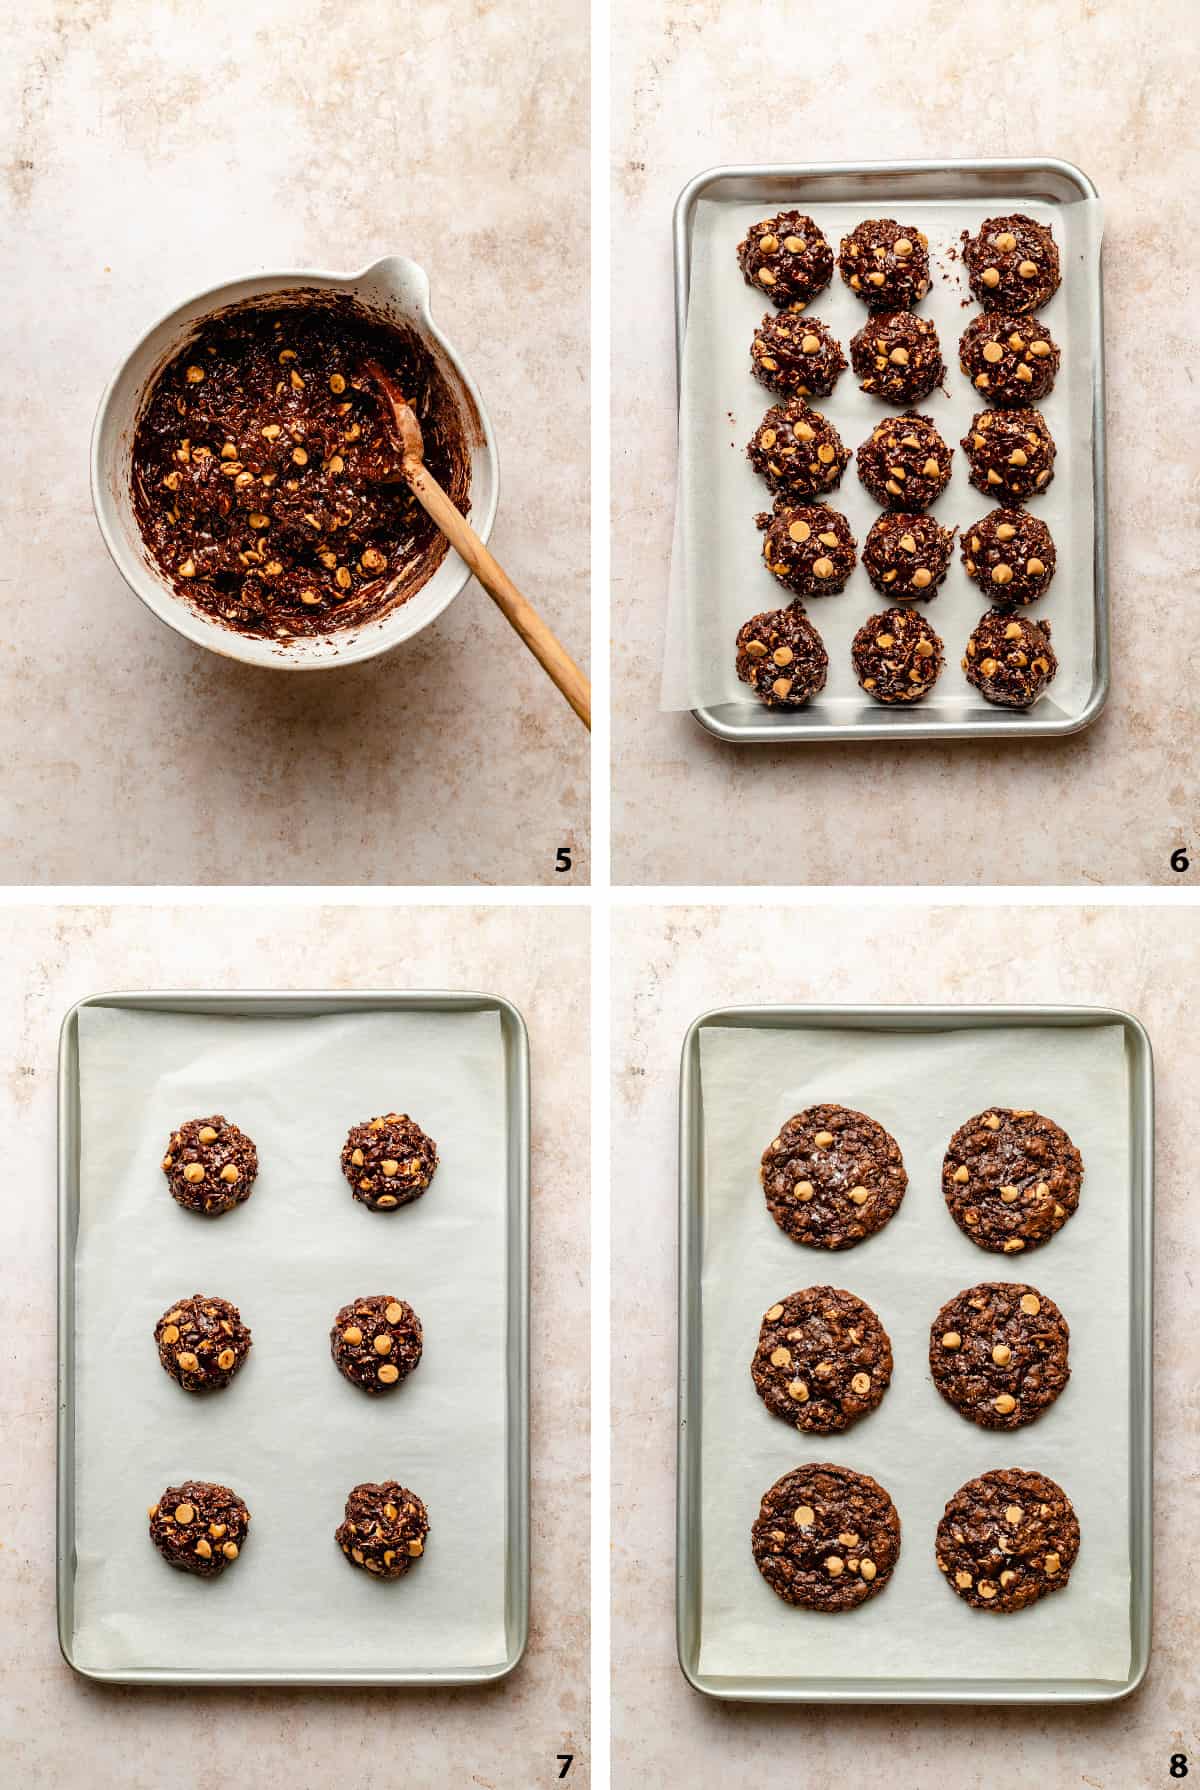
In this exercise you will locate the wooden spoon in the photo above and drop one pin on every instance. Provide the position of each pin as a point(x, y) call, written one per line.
point(516, 609)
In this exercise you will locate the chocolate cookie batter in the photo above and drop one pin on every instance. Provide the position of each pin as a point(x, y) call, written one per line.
point(809, 549)
point(388, 1161)
point(202, 1342)
point(265, 474)
point(1009, 659)
point(210, 1165)
point(832, 1177)
point(826, 1538)
point(907, 556)
point(798, 451)
point(1011, 556)
point(385, 1529)
point(1011, 1179)
point(1012, 264)
point(823, 1360)
point(904, 463)
point(897, 357)
point(376, 1341)
point(786, 258)
point(1011, 361)
point(1010, 453)
point(998, 1353)
point(796, 357)
point(199, 1527)
point(886, 264)
point(897, 656)
point(782, 657)
point(1007, 1539)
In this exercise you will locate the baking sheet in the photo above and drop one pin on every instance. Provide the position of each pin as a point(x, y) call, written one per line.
point(920, 1086)
point(717, 577)
point(290, 1434)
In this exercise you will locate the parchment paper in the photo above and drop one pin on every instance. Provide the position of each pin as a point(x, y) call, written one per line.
point(921, 1087)
point(718, 579)
point(290, 1434)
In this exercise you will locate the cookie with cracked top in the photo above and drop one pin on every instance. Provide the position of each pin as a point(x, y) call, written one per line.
point(202, 1342)
point(782, 657)
point(787, 259)
point(1012, 264)
point(832, 1177)
point(798, 451)
point(1009, 360)
point(904, 463)
point(1011, 1179)
point(1011, 555)
point(897, 656)
point(199, 1527)
point(1007, 1539)
point(210, 1165)
point(1009, 659)
point(388, 1161)
point(1010, 453)
point(896, 356)
point(809, 548)
point(906, 556)
point(826, 1538)
point(385, 1529)
point(799, 358)
point(998, 1353)
point(886, 264)
point(823, 1360)
point(376, 1341)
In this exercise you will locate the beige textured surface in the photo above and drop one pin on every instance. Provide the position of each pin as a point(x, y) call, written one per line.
point(673, 964)
point(502, 1737)
point(697, 84)
point(151, 152)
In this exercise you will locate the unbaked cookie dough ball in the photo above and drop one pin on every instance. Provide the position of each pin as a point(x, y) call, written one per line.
point(782, 658)
point(786, 258)
point(897, 357)
point(1012, 264)
point(202, 1342)
point(388, 1162)
point(385, 1529)
point(1010, 453)
point(798, 451)
point(210, 1165)
point(886, 264)
point(1009, 659)
point(1011, 556)
point(904, 463)
point(1009, 360)
point(798, 357)
point(199, 1527)
point(906, 556)
point(897, 656)
point(376, 1341)
point(809, 549)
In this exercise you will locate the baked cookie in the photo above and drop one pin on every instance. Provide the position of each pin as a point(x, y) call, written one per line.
point(1009, 659)
point(886, 264)
point(906, 556)
point(376, 1341)
point(1012, 264)
point(797, 358)
point(199, 1527)
point(798, 451)
point(1011, 1179)
point(897, 656)
point(1010, 453)
point(826, 1538)
point(832, 1177)
point(904, 463)
point(1011, 556)
point(210, 1165)
point(388, 1162)
point(1008, 359)
point(809, 548)
point(202, 1342)
point(787, 258)
point(384, 1530)
point(823, 1360)
point(1007, 1539)
point(998, 1353)
point(782, 657)
point(897, 357)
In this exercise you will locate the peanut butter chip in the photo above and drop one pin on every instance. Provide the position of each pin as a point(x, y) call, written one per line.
point(193, 1171)
point(868, 1570)
point(394, 1313)
point(951, 1340)
point(799, 531)
point(1030, 1304)
point(383, 1344)
point(1004, 1403)
point(1007, 1577)
point(823, 1140)
point(1052, 1563)
point(798, 1390)
point(810, 344)
point(415, 1548)
point(1034, 567)
point(231, 1173)
point(387, 1199)
point(992, 351)
point(861, 1383)
point(991, 276)
point(187, 1362)
point(226, 1358)
point(963, 1580)
point(1013, 1515)
point(782, 686)
point(388, 1373)
point(921, 577)
point(230, 1550)
point(834, 1566)
point(804, 1516)
point(931, 469)
point(986, 1589)
point(860, 1195)
point(781, 1357)
point(803, 1190)
point(825, 454)
point(907, 543)
point(902, 247)
point(823, 568)
point(783, 655)
point(184, 1514)
point(1002, 1354)
point(962, 1174)
point(170, 1334)
point(1028, 270)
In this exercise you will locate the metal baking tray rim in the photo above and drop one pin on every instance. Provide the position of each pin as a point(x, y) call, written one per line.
point(896, 1691)
point(807, 730)
point(277, 1002)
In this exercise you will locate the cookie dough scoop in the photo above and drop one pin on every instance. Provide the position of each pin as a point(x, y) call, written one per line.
point(554, 659)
